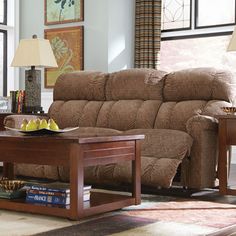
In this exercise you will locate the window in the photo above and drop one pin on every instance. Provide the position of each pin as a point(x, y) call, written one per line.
point(195, 52)
point(204, 43)
point(188, 18)
point(9, 39)
point(3, 49)
point(3, 11)
point(2, 62)
point(222, 13)
point(176, 14)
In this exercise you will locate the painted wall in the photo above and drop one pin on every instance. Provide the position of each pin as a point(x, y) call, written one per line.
point(108, 35)
point(121, 21)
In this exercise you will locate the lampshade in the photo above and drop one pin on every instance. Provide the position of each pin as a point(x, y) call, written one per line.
point(232, 43)
point(34, 52)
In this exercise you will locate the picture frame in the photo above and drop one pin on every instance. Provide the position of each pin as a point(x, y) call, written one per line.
point(63, 11)
point(208, 18)
point(68, 47)
point(5, 104)
point(180, 19)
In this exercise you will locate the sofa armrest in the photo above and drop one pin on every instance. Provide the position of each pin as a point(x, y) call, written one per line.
point(201, 169)
point(201, 122)
point(15, 121)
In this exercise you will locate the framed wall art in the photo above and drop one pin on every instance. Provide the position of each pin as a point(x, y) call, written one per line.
point(68, 46)
point(63, 11)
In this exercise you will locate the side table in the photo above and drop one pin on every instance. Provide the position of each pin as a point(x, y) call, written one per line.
point(226, 138)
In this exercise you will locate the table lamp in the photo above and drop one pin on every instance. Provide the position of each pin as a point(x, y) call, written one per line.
point(33, 53)
point(232, 43)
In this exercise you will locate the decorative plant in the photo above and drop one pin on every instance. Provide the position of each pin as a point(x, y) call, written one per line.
point(62, 53)
point(63, 3)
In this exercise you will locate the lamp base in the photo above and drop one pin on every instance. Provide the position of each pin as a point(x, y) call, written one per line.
point(33, 89)
point(33, 110)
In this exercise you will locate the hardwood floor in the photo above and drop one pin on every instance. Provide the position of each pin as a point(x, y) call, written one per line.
point(213, 194)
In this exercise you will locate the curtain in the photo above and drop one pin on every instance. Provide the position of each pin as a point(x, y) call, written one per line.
point(147, 33)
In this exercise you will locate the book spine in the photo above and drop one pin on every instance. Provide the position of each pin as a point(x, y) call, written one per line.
point(59, 190)
point(52, 199)
point(40, 188)
point(43, 198)
point(23, 101)
point(87, 187)
point(13, 101)
point(86, 197)
point(17, 100)
point(60, 194)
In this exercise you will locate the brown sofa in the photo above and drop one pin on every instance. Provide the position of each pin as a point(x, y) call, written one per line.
point(175, 112)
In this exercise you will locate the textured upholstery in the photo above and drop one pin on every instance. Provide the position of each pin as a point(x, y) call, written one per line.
point(174, 115)
point(162, 152)
point(143, 84)
point(80, 86)
point(203, 129)
point(173, 110)
point(199, 84)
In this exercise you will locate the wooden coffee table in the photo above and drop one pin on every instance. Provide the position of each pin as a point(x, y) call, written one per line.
point(77, 153)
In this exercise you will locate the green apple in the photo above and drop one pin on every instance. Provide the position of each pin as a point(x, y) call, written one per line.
point(52, 125)
point(43, 124)
point(24, 124)
point(32, 125)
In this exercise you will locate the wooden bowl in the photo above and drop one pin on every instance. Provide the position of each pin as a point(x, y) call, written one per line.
point(11, 185)
point(229, 110)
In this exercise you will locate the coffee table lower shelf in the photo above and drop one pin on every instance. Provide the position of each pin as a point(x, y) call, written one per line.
point(99, 203)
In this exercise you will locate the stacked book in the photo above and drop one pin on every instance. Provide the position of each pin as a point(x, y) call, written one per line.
point(17, 101)
point(53, 193)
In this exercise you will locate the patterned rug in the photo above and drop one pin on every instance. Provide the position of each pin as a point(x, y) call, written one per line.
point(160, 216)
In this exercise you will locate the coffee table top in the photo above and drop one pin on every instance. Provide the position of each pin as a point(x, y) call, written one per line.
point(66, 137)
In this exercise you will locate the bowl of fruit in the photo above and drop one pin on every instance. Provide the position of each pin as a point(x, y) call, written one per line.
point(40, 126)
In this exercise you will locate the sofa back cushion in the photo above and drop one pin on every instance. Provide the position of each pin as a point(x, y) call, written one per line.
point(84, 85)
point(122, 100)
point(135, 84)
point(75, 112)
point(128, 114)
point(174, 115)
point(120, 115)
point(199, 84)
point(138, 98)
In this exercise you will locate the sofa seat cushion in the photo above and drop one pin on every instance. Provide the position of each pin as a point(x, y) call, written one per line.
point(162, 152)
point(154, 172)
point(164, 143)
point(94, 131)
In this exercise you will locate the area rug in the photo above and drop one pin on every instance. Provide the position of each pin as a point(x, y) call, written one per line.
point(157, 215)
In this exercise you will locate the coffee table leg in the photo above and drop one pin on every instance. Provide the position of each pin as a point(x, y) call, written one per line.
point(76, 182)
point(136, 173)
point(8, 170)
